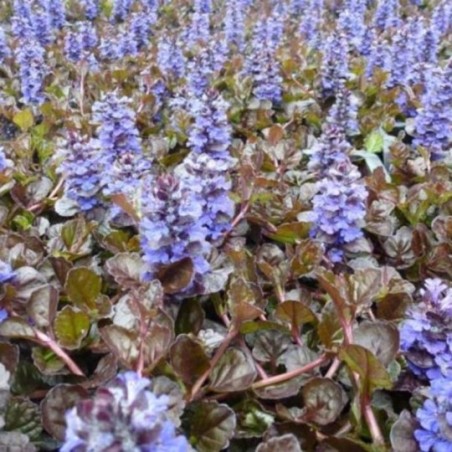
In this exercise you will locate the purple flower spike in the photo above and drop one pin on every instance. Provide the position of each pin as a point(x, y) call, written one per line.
point(126, 416)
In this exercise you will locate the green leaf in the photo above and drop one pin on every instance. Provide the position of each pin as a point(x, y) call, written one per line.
point(177, 276)
point(188, 359)
point(374, 142)
point(381, 338)
point(15, 441)
point(55, 404)
point(402, 433)
point(269, 345)
point(47, 361)
point(372, 162)
point(286, 443)
point(252, 420)
point(210, 426)
point(126, 269)
point(27, 378)
point(16, 328)
point(290, 233)
point(295, 312)
point(324, 400)
point(24, 119)
point(372, 373)
point(83, 287)
point(190, 317)
point(23, 416)
point(234, 371)
point(71, 326)
point(9, 356)
point(42, 306)
point(123, 343)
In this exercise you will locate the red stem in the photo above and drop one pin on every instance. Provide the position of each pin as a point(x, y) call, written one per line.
point(45, 340)
point(289, 375)
point(218, 354)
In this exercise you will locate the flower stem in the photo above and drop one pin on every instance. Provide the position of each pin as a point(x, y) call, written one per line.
point(49, 342)
point(218, 354)
point(289, 375)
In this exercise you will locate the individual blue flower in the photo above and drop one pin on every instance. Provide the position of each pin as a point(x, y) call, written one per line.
point(5, 163)
point(5, 51)
point(7, 274)
point(3, 315)
point(435, 418)
point(171, 228)
point(32, 71)
point(125, 415)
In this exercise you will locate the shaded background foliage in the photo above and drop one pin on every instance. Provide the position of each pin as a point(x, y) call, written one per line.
point(235, 216)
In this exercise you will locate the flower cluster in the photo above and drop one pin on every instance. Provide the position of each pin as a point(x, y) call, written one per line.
point(339, 209)
point(82, 169)
point(262, 66)
point(32, 71)
point(117, 131)
point(123, 416)
point(435, 418)
point(331, 149)
point(171, 228)
point(113, 164)
point(234, 23)
point(426, 336)
point(433, 121)
point(334, 69)
point(79, 42)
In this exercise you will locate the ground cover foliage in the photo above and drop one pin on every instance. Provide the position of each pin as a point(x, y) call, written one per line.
point(225, 225)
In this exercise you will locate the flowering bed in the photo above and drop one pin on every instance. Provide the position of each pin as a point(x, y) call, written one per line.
point(225, 225)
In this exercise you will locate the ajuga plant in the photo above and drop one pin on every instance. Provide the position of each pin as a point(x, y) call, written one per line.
point(225, 225)
point(124, 415)
point(426, 335)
